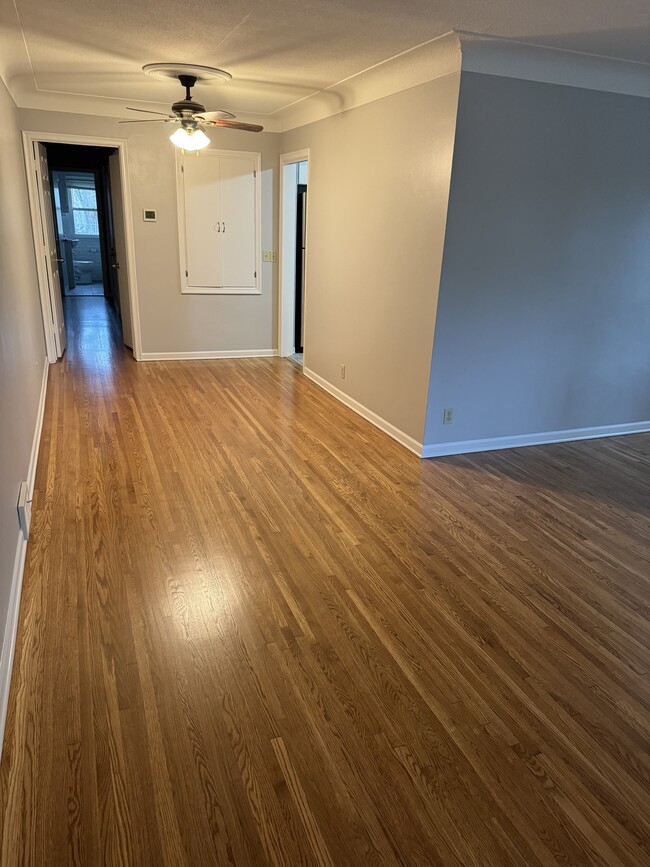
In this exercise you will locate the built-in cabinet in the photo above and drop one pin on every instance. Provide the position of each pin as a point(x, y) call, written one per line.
point(219, 219)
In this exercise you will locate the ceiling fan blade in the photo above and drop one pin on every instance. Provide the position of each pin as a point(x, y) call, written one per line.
point(146, 111)
point(148, 120)
point(235, 124)
point(214, 115)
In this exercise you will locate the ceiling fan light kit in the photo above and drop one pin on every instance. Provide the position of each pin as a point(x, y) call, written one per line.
point(189, 139)
point(191, 115)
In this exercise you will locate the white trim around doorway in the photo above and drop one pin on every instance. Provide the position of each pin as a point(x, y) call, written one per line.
point(285, 340)
point(29, 137)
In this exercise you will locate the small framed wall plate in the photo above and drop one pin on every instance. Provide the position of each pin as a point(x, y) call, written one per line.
point(149, 215)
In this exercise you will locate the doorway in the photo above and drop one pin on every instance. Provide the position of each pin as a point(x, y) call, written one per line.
point(83, 236)
point(301, 238)
point(294, 171)
point(81, 231)
point(80, 178)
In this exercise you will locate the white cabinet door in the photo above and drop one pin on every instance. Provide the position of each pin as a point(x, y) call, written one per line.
point(238, 238)
point(218, 222)
point(202, 220)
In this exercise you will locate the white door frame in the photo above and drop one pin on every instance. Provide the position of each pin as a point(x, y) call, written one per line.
point(286, 341)
point(29, 137)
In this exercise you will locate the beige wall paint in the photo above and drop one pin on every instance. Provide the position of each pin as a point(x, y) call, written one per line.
point(378, 190)
point(172, 322)
point(379, 180)
point(22, 346)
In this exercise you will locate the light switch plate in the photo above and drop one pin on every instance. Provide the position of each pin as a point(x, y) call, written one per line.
point(149, 215)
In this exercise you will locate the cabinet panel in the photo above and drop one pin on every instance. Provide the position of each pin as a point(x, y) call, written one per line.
point(218, 201)
point(238, 242)
point(202, 217)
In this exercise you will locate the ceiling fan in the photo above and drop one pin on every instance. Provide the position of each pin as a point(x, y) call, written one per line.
point(191, 115)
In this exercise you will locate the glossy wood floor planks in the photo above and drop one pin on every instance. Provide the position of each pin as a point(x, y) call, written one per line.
point(256, 631)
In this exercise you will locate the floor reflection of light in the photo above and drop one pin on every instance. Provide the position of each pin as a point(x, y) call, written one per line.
point(93, 336)
point(201, 600)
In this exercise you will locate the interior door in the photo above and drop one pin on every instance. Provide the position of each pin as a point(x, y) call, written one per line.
point(49, 250)
point(301, 226)
point(119, 265)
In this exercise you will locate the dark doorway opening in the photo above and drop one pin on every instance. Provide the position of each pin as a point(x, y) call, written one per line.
point(85, 237)
point(301, 223)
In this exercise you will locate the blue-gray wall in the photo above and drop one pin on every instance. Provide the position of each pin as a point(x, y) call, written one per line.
point(544, 314)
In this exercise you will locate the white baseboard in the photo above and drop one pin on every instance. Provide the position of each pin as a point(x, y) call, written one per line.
point(11, 625)
point(482, 445)
point(208, 354)
point(463, 447)
point(388, 428)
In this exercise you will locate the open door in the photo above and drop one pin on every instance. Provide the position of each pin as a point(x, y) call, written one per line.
point(118, 251)
point(301, 225)
point(49, 250)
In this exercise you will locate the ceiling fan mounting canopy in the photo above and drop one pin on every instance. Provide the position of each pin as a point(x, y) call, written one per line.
point(204, 74)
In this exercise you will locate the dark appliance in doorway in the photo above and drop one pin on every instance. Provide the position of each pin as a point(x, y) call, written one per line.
point(301, 224)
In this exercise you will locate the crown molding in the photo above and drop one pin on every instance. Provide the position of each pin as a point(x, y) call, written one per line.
point(428, 61)
point(448, 54)
point(103, 106)
point(462, 51)
point(513, 59)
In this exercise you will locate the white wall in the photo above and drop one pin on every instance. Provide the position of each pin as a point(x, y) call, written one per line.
point(172, 322)
point(22, 347)
point(544, 316)
point(378, 188)
point(290, 175)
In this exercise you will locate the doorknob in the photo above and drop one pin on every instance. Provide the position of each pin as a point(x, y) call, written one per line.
point(116, 265)
point(60, 260)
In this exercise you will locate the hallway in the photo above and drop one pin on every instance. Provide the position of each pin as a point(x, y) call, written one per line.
point(255, 630)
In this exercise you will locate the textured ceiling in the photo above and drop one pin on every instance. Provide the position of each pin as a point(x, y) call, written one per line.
point(279, 51)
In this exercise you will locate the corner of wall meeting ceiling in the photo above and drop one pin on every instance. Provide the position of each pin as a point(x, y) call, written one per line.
point(511, 58)
point(427, 61)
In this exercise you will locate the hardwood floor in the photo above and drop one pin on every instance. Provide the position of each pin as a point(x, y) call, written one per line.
point(255, 630)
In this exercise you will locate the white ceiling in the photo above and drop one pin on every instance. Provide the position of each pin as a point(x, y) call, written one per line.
point(279, 51)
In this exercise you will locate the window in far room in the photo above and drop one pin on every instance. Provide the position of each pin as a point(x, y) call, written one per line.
point(84, 211)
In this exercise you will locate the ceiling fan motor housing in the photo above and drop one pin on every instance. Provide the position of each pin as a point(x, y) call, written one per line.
point(187, 105)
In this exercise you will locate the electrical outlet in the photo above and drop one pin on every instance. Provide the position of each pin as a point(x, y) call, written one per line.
point(448, 416)
point(342, 371)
